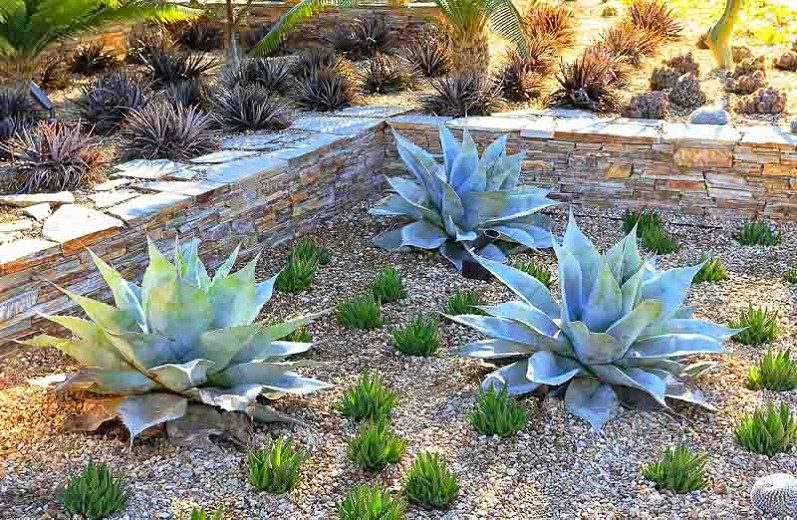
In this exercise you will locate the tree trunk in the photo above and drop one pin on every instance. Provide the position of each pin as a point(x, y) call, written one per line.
point(471, 53)
point(721, 35)
point(231, 36)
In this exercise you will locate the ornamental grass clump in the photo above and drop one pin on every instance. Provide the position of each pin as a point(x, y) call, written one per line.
point(497, 414)
point(768, 431)
point(758, 233)
point(275, 469)
point(589, 82)
point(272, 74)
point(641, 219)
point(164, 66)
point(310, 249)
point(713, 270)
point(375, 446)
point(418, 338)
point(464, 301)
point(164, 131)
point(679, 470)
point(469, 203)
point(656, 239)
point(654, 16)
point(368, 399)
point(464, 94)
point(94, 493)
point(360, 312)
point(298, 274)
point(106, 101)
point(181, 348)
point(757, 326)
point(430, 483)
point(370, 503)
point(387, 286)
point(250, 107)
point(620, 330)
point(776, 371)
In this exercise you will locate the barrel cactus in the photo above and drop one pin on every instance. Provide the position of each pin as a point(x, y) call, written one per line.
point(179, 344)
point(619, 333)
point(776, 495)
point(467, 203)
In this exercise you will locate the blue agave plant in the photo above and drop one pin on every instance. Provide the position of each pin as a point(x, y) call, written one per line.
point(180, 346)
point(466, 204)
point(620, 331)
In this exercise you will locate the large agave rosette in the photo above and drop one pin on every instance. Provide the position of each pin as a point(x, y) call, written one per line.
point(620, 332)
point(178, 344)
point(467, 203)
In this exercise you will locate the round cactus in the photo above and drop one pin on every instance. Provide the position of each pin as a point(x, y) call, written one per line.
point(762, 101)
point(648, 105)
point(776, 495)
point(787, 61)
point(687, 92)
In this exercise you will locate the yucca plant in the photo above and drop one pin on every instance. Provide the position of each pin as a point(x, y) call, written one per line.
point(464, 301)
point(375, 446)
point(679, 470)
point(16, 113)
point(201, 514)
point(757, 326)
point(250, 108)
point(272, 74)
point(497, 414)
point(28, 28)
point(106, 101)
point(387, 286)
point(418, 338)
point(537, 271)
point(464, 94)
point(91, 58)
point(430, 482)
point(370, 503)
point(467, 204)
point(384, 74)
point(51, 157)
point(620, 330)
point(165, 131)
point(713, 270)
point(551, 21)
point(94, 493)
point(521, 76)
point(758, 233)
point(588, 82)
point(298, 274)
point(187, 93)
point(166, 67)
point(325, 90)
point(368, 399)
point(768, 431)
point(656, 17)
point(776, 371)
point(275, 469)
point(360, 312)
point(364, 37)
point(179, 343)
point(429, 53)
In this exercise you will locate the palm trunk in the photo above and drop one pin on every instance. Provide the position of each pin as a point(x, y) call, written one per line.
point(720, 37)
point(471, 53)
point(231, 36)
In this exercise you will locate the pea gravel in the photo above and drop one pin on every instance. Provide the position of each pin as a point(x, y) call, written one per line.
point(557, 468)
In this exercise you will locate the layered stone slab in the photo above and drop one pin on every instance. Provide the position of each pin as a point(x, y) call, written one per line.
point(106, 199)
point(371, 112)
point(147, 205)
point(237, 170)
point(73, 221)
point(146, 169)
point(336, 125)
point(224, 156)
point(25, 200)
point(38, 211)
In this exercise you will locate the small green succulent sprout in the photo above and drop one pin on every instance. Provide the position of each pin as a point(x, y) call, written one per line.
point(657, 240)
point(464, 301)
point(712, 271)
point(360, 312)
point(430, 482)
point(298, 274)
point(370, 503)
point(641, 220)
point(757, 326)
point(201, 514)
point(679, 470)
point(308, 248)
point(94, 493)
point(388, 287)
point(776, 371)
point(790, 276)
point(758, 233)
point(368, 399)
point(497, 414)
point(276, 469)
point(466, 204)
point(375, 446)
point(619, 329)
point(768, 431)
point(180, 347)
point(418, 338)
point(537, 271)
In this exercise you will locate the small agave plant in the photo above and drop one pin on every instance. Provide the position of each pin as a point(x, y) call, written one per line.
point(466, 204)
point(619, 333)
point(179, 347)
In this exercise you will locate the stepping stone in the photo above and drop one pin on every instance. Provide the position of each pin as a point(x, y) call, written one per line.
point(16, 225)
point(146, 169)
point(111, 198)
point(223, 156)
point(38, 211)
point(22, 248)
point(25, 200)
point(112, 185)
point(72, 221)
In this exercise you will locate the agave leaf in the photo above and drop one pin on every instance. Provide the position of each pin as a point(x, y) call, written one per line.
point(459, 234)
point(451, 147)
point(490, 163)
point(93, 349)
point(570, 285)
point(266, 414)
point(496, 349)
point(534, 237)
point(506, 329)
point(678, 390)
point(513, 377)
point(117, 382)
point(696, 326)
point(283, 349)
point(95, 413)
point(623, 258)
point(418, 234)
point(180, 378)
point(415, 197)
point(452, 207)
point(593, 401)
point(126, 295)
point(104, 315)
point(275, 376)
point(236, 300)
point(454, 253)
point(510, 168)
point(592, 347)
point(674, 345)
point(224, 269)
point(604, 305)
point(160, 272)
point(423, 167)
point(139, 412)
point(699, 368)
point(670, 287)
point(525, 286)
point(522, 312)
point(395, 205)
point(549, 369)
point(465, 174)
point(262, 345)
point(191, 267)
point(196, 426)
point(486, 208)
point(238, 398)
point(628, 328)
point(492, 252)
point(637, 378)
point(576, 243)
point(222, 345)
point(145, 351)
point(632, 291)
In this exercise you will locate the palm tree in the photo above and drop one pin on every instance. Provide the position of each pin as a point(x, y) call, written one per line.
point(468, 20)
point(29, 27)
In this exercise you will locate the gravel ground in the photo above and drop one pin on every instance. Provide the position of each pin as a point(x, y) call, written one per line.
point(557, 468)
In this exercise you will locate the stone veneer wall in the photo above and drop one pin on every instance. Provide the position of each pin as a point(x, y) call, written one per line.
point(697, 169)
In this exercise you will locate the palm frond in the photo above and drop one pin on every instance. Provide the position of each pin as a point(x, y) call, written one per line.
point(293, 18)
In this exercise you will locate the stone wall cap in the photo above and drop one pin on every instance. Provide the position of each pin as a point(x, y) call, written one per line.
point(382, 112)
point(489, 123)
point(72, 221)
point(768, 137)
point(598, 130)
point(145, 205)
point(191, 188)
point(31, 199)
point(147, 169)
point(223, 156)
point(418, 120)
point(24, 247)
point(235, 171)
point(257, 141)
point(346, 126)
point(701, 135)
